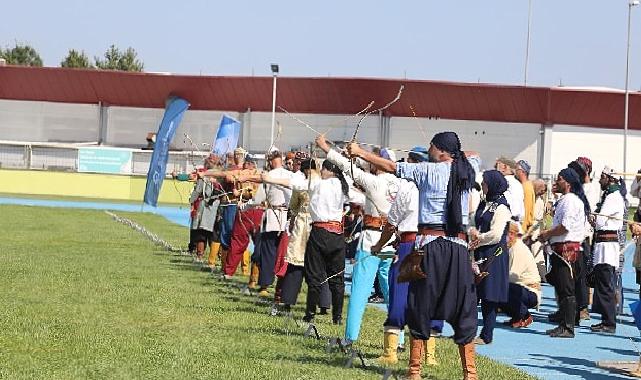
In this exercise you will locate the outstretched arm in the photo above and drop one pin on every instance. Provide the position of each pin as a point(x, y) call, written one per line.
point(382, 163)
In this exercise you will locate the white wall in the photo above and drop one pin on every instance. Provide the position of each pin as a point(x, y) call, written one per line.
point(491, 139)
point(44, 121)
point(129, 126)
point(294, 134)
point(602, 146)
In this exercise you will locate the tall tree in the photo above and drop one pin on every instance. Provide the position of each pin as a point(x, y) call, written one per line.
point(114, 59)
point(77, 60)
point(23, 55)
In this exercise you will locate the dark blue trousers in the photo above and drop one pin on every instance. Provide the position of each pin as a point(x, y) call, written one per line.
point(520, 299)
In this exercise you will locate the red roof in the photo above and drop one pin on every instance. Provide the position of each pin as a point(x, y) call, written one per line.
point(447, 100)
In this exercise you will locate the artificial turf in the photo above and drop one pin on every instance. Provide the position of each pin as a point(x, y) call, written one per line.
point(85, 297)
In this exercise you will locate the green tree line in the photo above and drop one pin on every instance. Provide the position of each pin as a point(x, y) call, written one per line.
point(113, 59)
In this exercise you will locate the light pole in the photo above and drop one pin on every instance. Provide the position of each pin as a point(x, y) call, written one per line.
point(275, 74)
point(527, 46)
point(631, 3)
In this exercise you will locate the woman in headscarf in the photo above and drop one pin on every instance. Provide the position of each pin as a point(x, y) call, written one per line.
point(489, 241)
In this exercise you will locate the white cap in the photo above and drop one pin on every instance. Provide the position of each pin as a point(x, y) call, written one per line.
point(609, 171)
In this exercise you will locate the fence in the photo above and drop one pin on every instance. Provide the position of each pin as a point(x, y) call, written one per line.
point(67, 157)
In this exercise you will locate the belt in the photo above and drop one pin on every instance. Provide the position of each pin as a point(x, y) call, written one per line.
point(568, 250)
point(279, 207)
point(606, 237)
point(408, 237)
point(331, 226)
point(371, 222)
point(423, 230)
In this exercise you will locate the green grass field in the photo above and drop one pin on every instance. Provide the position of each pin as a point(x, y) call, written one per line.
point(84, 297)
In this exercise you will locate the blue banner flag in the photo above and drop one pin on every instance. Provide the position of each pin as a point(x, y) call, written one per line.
point(174, 111)
point(227, 136)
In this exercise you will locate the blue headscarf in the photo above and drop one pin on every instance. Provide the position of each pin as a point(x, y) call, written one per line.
point(462, 177)
point(496, 186)
point(576, 187)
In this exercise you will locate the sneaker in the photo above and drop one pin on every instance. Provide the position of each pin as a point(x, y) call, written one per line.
point(337, 321)
point(227, 277)
point(375, 299)
point(274, 311)
point(308, 318)
point(323, 311)
point(245, 291)
point(263, 293)
point(510, 322)
point(601, 328)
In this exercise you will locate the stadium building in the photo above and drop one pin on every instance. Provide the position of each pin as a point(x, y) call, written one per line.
point(48, 114)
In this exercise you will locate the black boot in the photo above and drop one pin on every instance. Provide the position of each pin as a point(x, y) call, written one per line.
point(567, 308)
point(313, 298)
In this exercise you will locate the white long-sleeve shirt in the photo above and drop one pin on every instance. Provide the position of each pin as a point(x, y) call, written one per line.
point(404, 211)
point(277, 198)
point(523, 269)
point(380, 191)
point(608, 252)
point(500, 219)
point(326, 198)
point(515, 197)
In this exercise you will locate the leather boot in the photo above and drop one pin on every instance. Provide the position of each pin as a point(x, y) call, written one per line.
point(567, 308)
point(390, 343)
point(245, 263)
point(223, 256)
point(417, 352)
point(253, 277)
point(430, 352)
point(213, 254)
point(466, 351)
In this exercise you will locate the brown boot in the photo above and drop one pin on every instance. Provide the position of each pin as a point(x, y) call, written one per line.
point(253, 276)
point(417, 352)
point(466, 351)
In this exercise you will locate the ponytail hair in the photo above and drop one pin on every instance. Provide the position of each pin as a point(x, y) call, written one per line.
point(327, 165)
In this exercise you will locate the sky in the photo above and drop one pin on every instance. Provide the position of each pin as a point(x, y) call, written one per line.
point(573, 43)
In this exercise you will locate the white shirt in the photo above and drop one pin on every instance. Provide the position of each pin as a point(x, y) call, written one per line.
point(277, 198)
point(608, 252)
point(515, 197)
point(326, 198)
point(523, 269)
point(380, 191)
point(404, 211)
point(299, 175)
point(592, 192)
point(570, 214)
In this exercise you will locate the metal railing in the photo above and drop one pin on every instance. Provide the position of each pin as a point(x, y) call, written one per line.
point(64, 157)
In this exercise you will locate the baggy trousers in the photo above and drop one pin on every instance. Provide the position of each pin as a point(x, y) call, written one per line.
point(520, 300)
point(266, 256)
point(246, 222)
point(365, 270)
point(325, 258)
point(227, 224)
point(398, 295)
point(604, 301)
